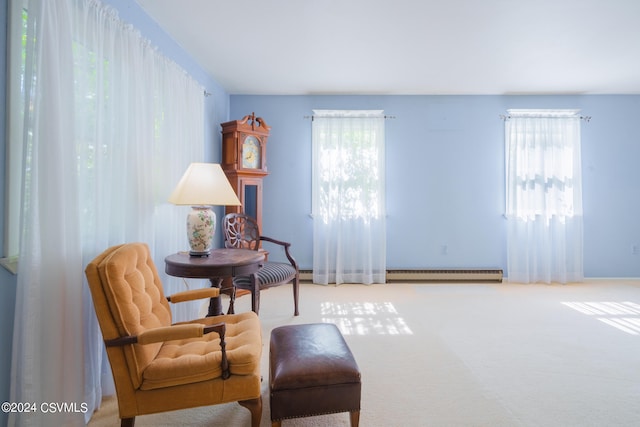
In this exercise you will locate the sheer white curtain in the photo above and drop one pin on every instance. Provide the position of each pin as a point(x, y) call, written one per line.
point(544, 196)
point(112, 127)
point(348, 206)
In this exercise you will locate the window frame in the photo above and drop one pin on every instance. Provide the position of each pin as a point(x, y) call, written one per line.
point(564, 174)
point(14, 134)
point(360, 152)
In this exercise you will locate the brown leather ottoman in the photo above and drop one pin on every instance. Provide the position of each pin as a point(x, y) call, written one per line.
point(312, 372)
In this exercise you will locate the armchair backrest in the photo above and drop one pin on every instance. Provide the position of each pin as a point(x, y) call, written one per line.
point(128, 298)
point(241, 232)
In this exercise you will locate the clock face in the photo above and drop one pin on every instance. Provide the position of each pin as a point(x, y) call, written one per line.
point(251, 152)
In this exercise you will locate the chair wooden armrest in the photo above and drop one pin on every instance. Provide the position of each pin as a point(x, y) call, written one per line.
point(177, 332)
point(285, 245)
point(193, 294)
point(277, 242)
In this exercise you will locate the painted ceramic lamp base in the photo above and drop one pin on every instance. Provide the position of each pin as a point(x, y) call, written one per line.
point(201, 224)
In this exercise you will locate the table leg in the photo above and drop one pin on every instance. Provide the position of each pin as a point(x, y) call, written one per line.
point(232, 300)
point(215, 303)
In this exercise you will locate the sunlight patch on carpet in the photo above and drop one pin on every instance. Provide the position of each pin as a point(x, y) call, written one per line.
point(624, 316)
point(364, 318)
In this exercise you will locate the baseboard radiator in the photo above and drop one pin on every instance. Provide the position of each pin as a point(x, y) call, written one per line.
point(306, 275)
point(444, 275)
point(431, 275)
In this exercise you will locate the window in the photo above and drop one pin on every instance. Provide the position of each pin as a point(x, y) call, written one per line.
point(541, 167)
point(103, 111)
point(347, 167)
point(543, 196)
point(348, 196)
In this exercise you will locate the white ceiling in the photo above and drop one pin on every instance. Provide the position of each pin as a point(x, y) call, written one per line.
point(410, 46)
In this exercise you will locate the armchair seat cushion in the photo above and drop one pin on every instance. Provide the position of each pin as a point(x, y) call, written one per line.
point(191, 360)
point(271, 273)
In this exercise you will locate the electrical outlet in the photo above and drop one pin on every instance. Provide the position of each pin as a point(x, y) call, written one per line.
point(444, 249)
point(635, 249)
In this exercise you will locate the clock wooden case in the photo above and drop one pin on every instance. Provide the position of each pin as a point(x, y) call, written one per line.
point(244, 161)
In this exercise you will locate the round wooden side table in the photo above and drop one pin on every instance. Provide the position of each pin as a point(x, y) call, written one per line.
point(220, 263)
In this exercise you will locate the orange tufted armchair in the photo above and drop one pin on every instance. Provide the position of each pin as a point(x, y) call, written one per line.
point(159, 366)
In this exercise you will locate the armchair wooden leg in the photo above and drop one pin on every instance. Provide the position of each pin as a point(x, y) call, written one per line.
point(255, 407)
point(127, 422)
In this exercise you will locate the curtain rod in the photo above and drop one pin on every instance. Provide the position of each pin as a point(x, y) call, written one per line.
point(346, 117)
point(542, 116)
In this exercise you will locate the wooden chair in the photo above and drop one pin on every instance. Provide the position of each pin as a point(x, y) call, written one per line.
point(242, 232)
point(159, 366)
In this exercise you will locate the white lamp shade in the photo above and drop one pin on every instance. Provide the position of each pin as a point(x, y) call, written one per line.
point(204, 184)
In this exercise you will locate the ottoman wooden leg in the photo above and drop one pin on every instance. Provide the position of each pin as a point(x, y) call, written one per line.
point(354, 418)
point(276, 423)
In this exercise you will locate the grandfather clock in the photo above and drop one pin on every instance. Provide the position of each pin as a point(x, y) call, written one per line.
point(244, 161)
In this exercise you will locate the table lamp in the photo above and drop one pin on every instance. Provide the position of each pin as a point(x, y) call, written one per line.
point(202, 186)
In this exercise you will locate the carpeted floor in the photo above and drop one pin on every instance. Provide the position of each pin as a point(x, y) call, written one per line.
point(463, 355)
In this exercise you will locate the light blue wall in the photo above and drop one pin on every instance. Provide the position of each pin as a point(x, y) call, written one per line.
point(445, 176)
point(216, 110)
